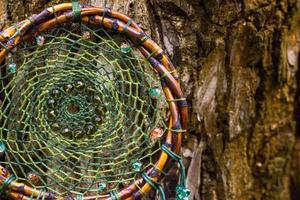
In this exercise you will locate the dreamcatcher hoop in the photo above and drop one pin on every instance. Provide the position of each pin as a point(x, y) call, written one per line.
point(120, 23)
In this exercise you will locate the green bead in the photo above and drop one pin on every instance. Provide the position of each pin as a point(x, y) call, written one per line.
point(182, 193)
point(126, 50)
point(12, 68)
point(102, 187)
point(137, 166)
point(155, 92)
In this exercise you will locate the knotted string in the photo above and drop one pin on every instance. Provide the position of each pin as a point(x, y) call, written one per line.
point(182, 192)
point(76, 10)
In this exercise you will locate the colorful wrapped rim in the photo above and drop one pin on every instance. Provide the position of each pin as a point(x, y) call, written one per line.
point(110, 20)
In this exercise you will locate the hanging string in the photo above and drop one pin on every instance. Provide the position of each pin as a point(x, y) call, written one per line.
point(104, 12)
point(155, 185)
point(114, 195)
point(182, 192)
point(76, 10)
point(105, 2)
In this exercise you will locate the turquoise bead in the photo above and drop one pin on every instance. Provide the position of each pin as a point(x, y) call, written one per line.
point(155, 92)
point(12, 68)
point(102, 187)
point(137, 166)
point(182, 193)
point(126, 50)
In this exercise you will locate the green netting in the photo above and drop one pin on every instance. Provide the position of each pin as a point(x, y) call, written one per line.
point(78, 107)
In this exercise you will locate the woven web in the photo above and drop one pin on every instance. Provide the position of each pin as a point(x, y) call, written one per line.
point(78, 110)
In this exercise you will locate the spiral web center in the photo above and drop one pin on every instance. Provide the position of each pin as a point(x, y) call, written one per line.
point(73, 108)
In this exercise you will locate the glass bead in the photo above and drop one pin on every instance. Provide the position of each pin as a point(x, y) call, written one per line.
point(32, 177)
point(155, 93)
point(79, 84)
point(182, 193)
point(2, 149)
point(137, 166)
point(126, 50)
point(12, 68)
point(102, 187)
point(40, 40)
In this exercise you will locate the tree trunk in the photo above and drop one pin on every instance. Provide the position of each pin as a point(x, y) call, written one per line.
point(239, 66)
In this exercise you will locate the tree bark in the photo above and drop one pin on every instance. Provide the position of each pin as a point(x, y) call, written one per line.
point(239, 66)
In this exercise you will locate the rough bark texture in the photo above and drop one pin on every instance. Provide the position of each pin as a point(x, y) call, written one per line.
point(239, 65)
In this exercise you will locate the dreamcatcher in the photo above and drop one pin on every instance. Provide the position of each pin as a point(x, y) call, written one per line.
point(91, 108)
